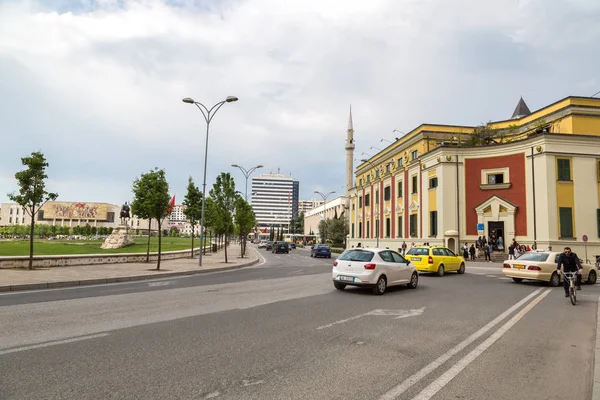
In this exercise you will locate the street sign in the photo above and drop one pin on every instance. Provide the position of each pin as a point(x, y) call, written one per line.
point(480, 227)
point(585, 238)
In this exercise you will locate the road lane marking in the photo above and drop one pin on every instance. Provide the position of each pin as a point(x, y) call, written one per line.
point(410, 381)
point(52, 343)
point(505, 278)
point(443, 380)
point(155, 284)
point(396, 313)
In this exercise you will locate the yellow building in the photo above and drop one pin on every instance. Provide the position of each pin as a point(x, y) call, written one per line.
point(534, 178)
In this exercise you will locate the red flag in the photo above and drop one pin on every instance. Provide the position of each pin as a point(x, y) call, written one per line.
point(264, 230)
point(171, 205)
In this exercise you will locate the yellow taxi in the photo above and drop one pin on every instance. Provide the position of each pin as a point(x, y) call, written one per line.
point(437, 259)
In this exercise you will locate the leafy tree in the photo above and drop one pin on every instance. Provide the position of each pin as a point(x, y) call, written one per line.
point(193, 207)
point(209, 222)
point(323, 230)
point(245, 220)
point(87, 229)
point(32, 191)
point(337, 229)
point(224, 196)
point(94, 230)
point(151, 199)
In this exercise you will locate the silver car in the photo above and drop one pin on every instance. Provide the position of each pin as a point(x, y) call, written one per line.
point(374, 268)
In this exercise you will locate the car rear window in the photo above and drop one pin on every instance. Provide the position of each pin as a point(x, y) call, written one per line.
point(539, 257)
point(322, 246)
point(356, 255)
point(415, 251)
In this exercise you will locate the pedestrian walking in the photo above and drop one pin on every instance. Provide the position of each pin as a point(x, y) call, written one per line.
point(472, 252)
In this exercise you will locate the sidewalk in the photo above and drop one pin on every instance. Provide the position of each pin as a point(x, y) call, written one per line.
point(45, 278)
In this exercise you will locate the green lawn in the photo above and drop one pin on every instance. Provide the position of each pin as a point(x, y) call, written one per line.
point(60, 247)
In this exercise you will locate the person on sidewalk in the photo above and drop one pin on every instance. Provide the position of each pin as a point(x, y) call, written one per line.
point(472, 252)
point(486, 253)
point(403, 247)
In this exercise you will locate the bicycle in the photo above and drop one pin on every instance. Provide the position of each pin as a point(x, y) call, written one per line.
point(571, 277)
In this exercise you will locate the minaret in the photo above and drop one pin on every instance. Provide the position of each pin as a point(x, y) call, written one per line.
point(349, 155)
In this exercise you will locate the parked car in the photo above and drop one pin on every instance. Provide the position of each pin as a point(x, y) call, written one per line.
point(436, 259)
point(320, 250)
point(292, 245)
point(268, 245)
point(374, 268)
point(262, 244)
point(281, 247)
point(541, 266)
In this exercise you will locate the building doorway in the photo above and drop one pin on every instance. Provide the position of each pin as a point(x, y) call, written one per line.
point(496, 231)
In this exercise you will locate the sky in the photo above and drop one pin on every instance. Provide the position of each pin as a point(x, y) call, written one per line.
point(96, 85)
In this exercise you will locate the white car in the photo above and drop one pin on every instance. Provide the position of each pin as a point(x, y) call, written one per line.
point(262, 245)
point(374, 268)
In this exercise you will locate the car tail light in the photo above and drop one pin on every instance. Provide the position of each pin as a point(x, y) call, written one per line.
point(430, 260)
point(534, 268)
point(335, 263)
point(370, 266)
point(506, 266)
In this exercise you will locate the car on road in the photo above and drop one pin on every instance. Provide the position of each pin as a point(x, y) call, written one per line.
point(292, 245)
point(281, 247)
point(262, 245)
point(375, 268)
point(541, 266)
point(435, 259)
point(321, 250)
point(269, 245)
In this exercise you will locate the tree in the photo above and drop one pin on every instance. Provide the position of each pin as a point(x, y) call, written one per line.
point(224, 196)
point(272, 234)
point(193, 207)
point(154, 201)
point(337, 229)
point(140, 204)
point(245, 220)
point(323, 230)
point(32, 191)
point(209, 220)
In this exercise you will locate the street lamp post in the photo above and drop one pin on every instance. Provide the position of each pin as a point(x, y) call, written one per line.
point(247, 173)
point(324, 196)
point(208, 115)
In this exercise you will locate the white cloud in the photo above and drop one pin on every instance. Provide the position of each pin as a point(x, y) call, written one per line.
point(97, 85)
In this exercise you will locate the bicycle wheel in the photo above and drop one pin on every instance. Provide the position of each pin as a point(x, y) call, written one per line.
point(572, 295)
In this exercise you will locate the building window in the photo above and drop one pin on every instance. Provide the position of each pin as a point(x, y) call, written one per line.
point(376, 233)
point(10, 220)
point(388, 225)
point(433, 224)
point(400, 162)
point(494, 179)
point(433, 183)
point(40, 215)
point(414, 154)
point(377, 197)
point(11, 210)
point(360, 202)
point(368, 226)
point(353, 230)
point(399, 227)
point(387, 168)
point(367, 200)
point(414, 184)
point(413, 225)
point(564, 169)
point(566, 222)
point(17, 211)
point(400, 189)
point(360, 231)
point(368, 179)
point(376, 173)
point(360, 182)
point(387, 193)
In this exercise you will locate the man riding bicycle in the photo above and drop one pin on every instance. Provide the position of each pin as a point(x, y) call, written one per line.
point(571, 263)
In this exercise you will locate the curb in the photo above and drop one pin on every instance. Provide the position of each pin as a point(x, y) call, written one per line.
point(86, 282)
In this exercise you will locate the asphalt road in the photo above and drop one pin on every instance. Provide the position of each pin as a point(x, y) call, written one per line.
point(281, 331)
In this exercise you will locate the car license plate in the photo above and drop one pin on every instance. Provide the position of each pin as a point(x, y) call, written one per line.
point(519, 266)
point(415, 259)
point(346, 278)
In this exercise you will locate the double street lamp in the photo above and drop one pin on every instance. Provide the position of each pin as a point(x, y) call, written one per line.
point(324, 196)
point(247, 173)
point(208, 115)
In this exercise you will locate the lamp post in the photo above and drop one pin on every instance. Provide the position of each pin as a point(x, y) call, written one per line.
point(324, 196)
point(208, 115)
point(247, 173)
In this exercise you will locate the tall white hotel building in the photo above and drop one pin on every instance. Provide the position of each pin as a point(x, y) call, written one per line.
point(274, 199)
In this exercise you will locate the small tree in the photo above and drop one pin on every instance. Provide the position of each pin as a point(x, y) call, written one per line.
point(193, 207)
point(337, 229)
point(154, 201)
point(32, 191)
point(140, 204)
point(224, 196)
point(323, 230)
point(245, 220)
